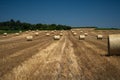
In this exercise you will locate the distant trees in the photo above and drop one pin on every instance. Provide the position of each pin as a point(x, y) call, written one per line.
point(18, 25)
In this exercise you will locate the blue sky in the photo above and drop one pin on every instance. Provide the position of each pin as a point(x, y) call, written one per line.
point(101, 13)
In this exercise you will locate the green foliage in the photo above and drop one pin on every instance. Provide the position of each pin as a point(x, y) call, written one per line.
point(107, 29)
point(17, 25)
point(8, 31)
point(86, 27)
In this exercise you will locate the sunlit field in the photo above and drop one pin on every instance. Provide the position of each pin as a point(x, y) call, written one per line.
point(67, 58)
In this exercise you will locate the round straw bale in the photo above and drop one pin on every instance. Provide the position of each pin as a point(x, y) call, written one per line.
point(17, 34)
point(86, 34)
point(61, 31)
point(47, 34)
point(20, 31)
point(61, 34)
point(4, 34)
point(37, 30)
point(114, 44)
point(29, 30)
point(29, 38)
point(74, 33)
point(52, 31)
point(56, 37)
point(26, 31)
point(81, 37)
point(46, 31)
point(100, 37)
point(36, 34)
point(81, 31)
point(33, 31)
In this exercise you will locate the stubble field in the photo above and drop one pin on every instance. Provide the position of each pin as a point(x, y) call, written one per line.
point(66, 59)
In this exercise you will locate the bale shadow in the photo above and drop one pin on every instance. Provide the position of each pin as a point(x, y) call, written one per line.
point(108, 55)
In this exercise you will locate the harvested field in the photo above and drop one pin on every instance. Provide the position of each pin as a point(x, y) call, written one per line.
point(69, 58)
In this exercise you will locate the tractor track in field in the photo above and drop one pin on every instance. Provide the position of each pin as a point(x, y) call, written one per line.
point(57, 62)
point(94, 66)
point(13, 57)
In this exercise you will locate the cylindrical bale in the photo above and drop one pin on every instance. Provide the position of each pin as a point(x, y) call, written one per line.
point(33, 31)
point(29, 38)
point(20, 31)
point(114, 44)
point(4, 34)
point(99, 37)
point(61, 34)
point(61, 31)
point(81, 31)
point(37, 30)
point(17, 34)
point(56, 37)
point(47, 34)
point(52, 31)
point(74, 33)
point(36, 34)
point(81, 37)
point(26, 31)
point(46, 31)
point(86, 34)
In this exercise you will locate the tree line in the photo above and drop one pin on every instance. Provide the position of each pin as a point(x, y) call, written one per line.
point(18, 25)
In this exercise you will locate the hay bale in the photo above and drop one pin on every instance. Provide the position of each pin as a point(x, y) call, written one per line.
point(81, 31)
point(61, 31)
point(29, 38)
point(99, 37)
point(37, 30)
point(46, 31)
point(17, 34)
point(47, 34)
point(81, 37)
point(56, 37)
point(33, 31)
point(114, 44)
point(74, 33)
point(29, 30)
point(20, 31)
point(52, 31)
point(36, 34)
point(61, 34)
point(4, 34)
point(86, 34)
point(26, 31)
